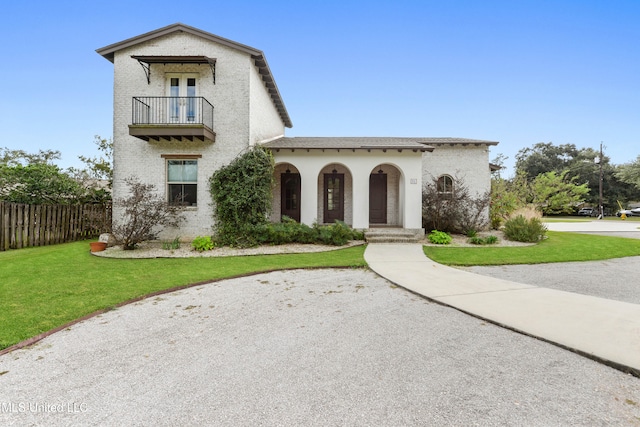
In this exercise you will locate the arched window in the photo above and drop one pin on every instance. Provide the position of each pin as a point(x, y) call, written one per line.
point(445, 186)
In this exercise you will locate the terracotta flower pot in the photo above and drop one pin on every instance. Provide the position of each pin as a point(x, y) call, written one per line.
point(98, 246)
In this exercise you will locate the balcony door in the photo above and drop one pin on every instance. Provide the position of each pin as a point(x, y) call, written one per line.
point(182, 92)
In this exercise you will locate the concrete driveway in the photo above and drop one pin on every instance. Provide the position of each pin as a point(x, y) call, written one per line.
point(618, 227)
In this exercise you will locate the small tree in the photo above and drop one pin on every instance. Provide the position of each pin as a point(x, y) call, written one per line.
point(504, 201)
point(455, 212)
point(557, 194)
point(97, 175)
point(144, 212)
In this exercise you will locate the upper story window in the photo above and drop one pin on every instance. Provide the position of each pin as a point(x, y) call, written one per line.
point(182, 182)
point(445, 186)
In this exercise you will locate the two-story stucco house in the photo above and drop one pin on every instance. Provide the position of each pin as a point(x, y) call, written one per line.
point(187, 102)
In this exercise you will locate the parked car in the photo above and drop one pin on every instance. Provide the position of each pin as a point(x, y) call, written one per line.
point(587, 212)
point(627, 212)
point(635, 211)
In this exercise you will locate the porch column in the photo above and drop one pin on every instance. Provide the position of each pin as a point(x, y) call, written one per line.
point(412, 194)
point(308, 195)
point(360, 177)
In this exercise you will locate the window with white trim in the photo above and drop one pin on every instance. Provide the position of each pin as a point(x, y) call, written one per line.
point(445, 186)
point(182, 182)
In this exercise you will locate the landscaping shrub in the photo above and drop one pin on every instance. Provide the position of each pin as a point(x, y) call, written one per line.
point(337, 234)
point(491, 240)
point(202, 243)
point(144, 212)
point(477, 240)
point(439, 237)
point(242, 193)
point(454, 212)
point(528, 212)
point(287, 231)
point(290, 231)
point(171, 244)
point(521, 229)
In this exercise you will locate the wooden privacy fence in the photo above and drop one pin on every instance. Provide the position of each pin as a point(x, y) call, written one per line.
point(22, 225)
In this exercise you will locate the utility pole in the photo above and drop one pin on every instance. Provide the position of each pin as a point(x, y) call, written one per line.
point(601, 210)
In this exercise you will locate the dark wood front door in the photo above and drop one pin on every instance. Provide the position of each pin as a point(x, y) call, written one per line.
point(333, 197)
point(290, 195)
point(378, 198)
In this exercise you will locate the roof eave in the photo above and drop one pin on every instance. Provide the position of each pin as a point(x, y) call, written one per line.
point(422, 149)
point(109, 51)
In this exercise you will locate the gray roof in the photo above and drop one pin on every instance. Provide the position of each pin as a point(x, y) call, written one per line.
point(360, 143)
point(457, 141)
point(349, 143)
point(257, 55)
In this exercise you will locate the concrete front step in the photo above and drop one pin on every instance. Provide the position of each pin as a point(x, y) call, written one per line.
point(391, 239)
point(393, 235)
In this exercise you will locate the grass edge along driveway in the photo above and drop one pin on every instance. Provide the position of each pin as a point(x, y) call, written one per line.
point(560, 246)
point(46, 287)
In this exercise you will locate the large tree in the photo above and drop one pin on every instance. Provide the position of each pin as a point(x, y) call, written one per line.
point(630, 173)
point(582, 166)
point(545, 157)
point(9, 157)
point(33, 178)
point(38, 183)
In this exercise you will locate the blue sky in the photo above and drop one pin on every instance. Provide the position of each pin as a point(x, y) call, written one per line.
point(517, 72)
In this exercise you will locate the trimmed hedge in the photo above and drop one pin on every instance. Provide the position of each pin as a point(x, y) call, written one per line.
point(289, 231)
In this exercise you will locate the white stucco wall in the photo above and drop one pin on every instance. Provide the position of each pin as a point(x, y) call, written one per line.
point(360, 164)
point(231, 97)
point(469, 163)
point(264, 120)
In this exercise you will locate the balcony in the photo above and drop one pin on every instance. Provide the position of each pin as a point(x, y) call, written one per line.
point(172, 118)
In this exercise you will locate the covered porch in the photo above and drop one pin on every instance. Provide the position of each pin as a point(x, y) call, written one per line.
point(365, 182)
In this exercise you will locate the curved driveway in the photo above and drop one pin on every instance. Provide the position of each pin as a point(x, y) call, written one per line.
point(320, 347)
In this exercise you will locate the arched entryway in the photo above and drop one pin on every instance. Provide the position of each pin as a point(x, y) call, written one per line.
point(335, 201)
point(384, 196)
point(287, 195)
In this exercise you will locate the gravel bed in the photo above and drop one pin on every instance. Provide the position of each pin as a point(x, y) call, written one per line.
point(155, 250)
point(313, 347)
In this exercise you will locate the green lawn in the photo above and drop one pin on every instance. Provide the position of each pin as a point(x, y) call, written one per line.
point(46, 287)
point(587, 219)
point(565, 219)
point(559, 247)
